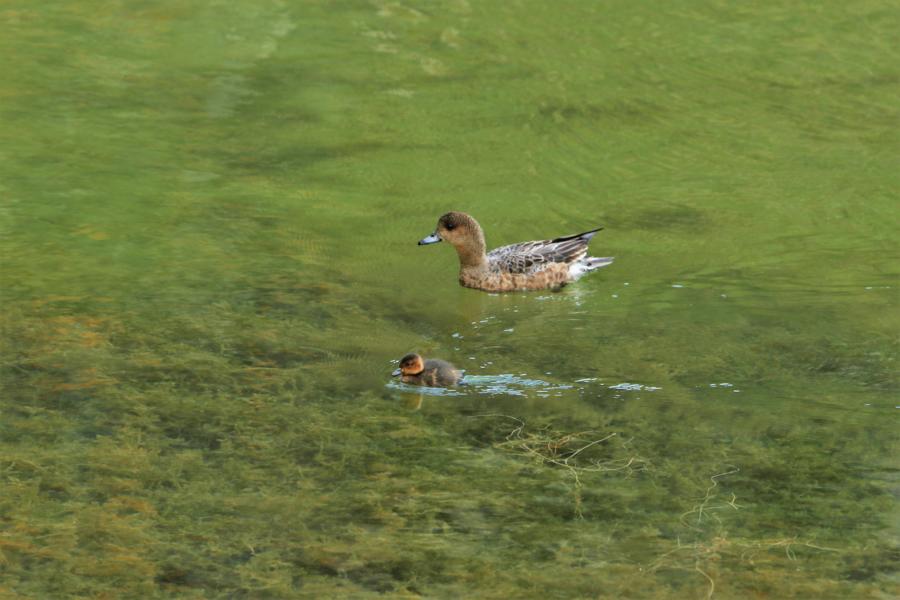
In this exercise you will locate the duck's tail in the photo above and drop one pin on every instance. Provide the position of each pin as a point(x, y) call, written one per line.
point(583, 237)
point(595, 262)
point(588, 264)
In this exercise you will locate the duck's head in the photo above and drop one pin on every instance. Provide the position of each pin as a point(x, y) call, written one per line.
point(462, 231)
point(411, 364)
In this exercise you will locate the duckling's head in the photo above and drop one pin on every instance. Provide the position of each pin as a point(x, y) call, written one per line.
point(411, 364)
point(463, 232)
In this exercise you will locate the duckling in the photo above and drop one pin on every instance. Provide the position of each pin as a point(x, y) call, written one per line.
point(431, 372)
point(538, 265)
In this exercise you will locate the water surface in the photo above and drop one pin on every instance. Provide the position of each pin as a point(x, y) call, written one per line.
point(209, 217)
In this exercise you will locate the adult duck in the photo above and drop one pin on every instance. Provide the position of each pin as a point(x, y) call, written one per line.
point(538, 265)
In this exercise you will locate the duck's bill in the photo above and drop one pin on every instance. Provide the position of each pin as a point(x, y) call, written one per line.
point(434, 238)
point(396, 373)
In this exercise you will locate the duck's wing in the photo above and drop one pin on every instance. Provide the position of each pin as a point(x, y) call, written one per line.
point(527, 257)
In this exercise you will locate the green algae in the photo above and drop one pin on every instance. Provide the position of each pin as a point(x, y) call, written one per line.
point(209, 213)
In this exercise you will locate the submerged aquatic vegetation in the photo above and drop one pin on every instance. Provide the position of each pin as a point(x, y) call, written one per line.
point(212, 479)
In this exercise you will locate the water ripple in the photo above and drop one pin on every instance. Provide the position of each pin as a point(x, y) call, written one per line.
point(507, 384)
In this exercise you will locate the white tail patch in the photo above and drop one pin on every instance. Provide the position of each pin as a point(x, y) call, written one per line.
point(587, 264)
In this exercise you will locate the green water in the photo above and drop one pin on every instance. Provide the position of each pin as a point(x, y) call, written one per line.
point(209, 268)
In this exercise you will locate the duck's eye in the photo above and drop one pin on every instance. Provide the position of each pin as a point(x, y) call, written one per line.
point(451, 226)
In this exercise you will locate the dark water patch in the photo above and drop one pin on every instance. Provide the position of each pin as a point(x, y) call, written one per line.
point(275, 159)
point(672, 217)
point(877, 562)
point(619, 112)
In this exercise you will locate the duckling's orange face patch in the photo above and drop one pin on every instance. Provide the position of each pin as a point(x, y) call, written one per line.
point(411, 364)
point(456, 227)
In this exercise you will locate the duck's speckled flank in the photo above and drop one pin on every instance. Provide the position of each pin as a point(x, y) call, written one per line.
point(550, 276)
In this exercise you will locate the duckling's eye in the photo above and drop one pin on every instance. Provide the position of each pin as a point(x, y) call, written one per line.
point(451, 226)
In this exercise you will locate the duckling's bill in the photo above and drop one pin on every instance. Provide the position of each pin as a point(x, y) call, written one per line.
point(434, 238)
point(396, 373)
